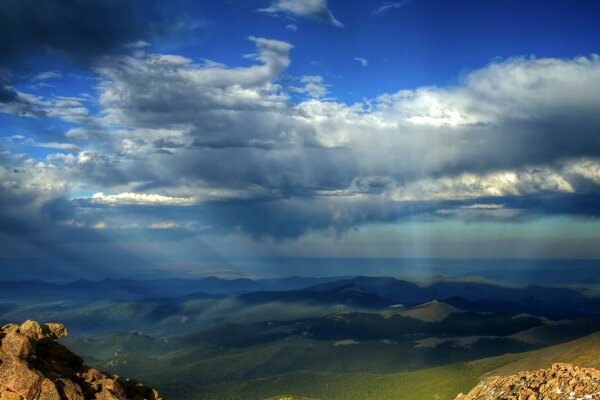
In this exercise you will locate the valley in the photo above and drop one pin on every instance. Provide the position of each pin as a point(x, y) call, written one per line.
point(367, 337)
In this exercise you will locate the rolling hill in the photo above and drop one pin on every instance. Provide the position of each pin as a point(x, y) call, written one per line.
point(441, 383)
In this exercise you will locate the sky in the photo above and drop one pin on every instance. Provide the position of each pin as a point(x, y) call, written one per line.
point(185, 138)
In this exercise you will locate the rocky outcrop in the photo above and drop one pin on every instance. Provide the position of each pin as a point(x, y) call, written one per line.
point(34, 366)
point(561, 382)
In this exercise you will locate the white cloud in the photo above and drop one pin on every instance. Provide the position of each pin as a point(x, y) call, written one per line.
point(100, 225)
point(389, 6)
point(586, 168)
point(159, 86)
point(141, 199)
point(20, 139)
point(165, 225)
point(291, 28)
point(361, 61)
point(314, 86)
point(313, 9)
point(42, 76)
point(55, 145)
point(493, 184)
point(139, 44)
point(479, 206)
point(207, 133)
point(70, 109)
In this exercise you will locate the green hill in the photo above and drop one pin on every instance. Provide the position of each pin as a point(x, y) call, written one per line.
point(438, 383)
point(583, 352)
point(441, 383)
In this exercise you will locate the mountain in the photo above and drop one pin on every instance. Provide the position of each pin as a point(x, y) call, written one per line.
point(552, 302)
point(335, 295)
point(561, 381)
point(584, 352)
point(31, 291)
point(432, 311)
point(440, 383)
point(34, 366)
point(340, 342)
point(357, 293)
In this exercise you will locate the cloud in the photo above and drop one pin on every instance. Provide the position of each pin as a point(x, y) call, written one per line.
point(69, 109)
point(478, 206)
point(316, 10)
point(53, 145)
point(361, 61)
point(7, 94)
point(214, 104)
point(42, 76)
point(245, 154)
point(314, 86)
point(81, 30)
point(140, 199)
point(138, 44)
point(476, 137)
point(291, 28)
point(386, 7)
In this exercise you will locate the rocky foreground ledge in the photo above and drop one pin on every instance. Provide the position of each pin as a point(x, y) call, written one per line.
point(561, 382)
point(33, 366)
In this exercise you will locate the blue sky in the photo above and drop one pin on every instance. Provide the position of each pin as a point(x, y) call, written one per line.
point(156, 135)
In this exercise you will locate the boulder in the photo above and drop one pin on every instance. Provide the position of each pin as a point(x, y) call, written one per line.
point(560, 382)
point(33, 366)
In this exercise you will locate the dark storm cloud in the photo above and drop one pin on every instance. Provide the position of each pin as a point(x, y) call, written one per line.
point(7, 94)
point(78, 29)
point(585, 205)
point(293, 217)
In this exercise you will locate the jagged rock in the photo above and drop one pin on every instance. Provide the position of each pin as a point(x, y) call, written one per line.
point(18, 345)
point(55, 331)
point(561, 382)
point(69, 390)
point(32, 329)
point(33, 366)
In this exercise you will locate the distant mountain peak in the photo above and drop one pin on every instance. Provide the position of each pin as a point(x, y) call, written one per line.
point(432, 311)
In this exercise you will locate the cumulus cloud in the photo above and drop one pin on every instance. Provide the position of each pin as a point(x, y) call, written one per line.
point(233, 150)
point(314, 86)
point(316, 10)
point(173, 85)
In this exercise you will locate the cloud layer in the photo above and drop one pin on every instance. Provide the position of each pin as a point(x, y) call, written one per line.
point(185, 149)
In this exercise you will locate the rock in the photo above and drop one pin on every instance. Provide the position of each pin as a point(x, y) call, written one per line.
point(561, 382)
point(48, 391)
point(16, 377)
point(55, 331)
point(18, 345)
point(32, 329)
point(6, 395)
point(69, 390)
point(33, 366)
point(93, 375)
